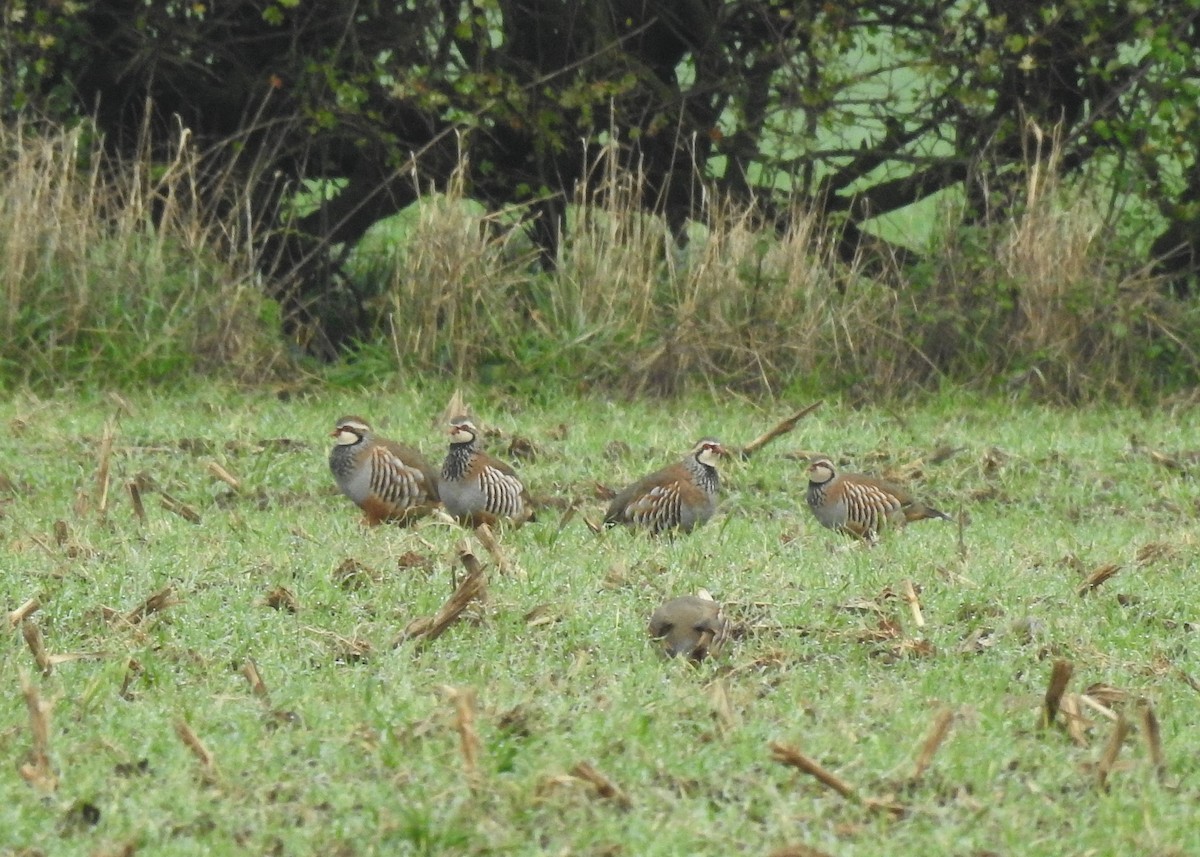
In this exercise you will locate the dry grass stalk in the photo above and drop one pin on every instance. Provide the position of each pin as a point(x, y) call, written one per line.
point(473, 587)
point(792, 757)
point(487, 538)
point(910, 596)
point(224, 475)
point(1153, 736)
point(102, 468)
point(37, 769)
point(469, 743)
point(135, 497)
point(1108, 758)
point(23, 612)
point(156, 603)
point(193, 743)
point(33, 639)
point(798, 851)
point(605, 788)
point(718, 697)
point(254, 678)
point(1060, 675)
point(133, 669)
point(1071, 708)
point(1097, 577)
point(938, 731)
point(779, 430)
point(179, 508)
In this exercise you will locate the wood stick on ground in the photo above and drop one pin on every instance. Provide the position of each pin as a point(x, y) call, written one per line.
point(1060, 675)
point(1096, 578)
point(33, 639)
point(193, 743)
point(157, 602)
point(468, 737)
point(224, 475)
point(962, 533)
point(487, 538)
point(605, 788)
point(914, 604)
point(37, 770)
point(794, 758)
point(778, 431)
point(257, 686)
point(135, 498)
point(473, 587)
point(1153, 735)
point(937, 733)
point(102, 469)
point(1111, 750)
point(177, 507)
point(1071, 708)
point(133, 669)
point(23, 612)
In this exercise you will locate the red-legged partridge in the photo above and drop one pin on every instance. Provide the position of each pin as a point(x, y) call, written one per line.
point(692, 625)
point(476, 488)
point(860, 505)
point(389, 481)
point(681, 496)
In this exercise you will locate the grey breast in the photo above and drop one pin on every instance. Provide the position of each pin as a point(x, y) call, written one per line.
point(354, 481)
point(829, 513)
point(462, 497)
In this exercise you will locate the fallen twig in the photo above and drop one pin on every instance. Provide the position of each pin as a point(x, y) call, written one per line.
point(37, 769)
point(938, 731)
point(179, 508)
point(910, 595)
point(1111, 750)
point(425, 629)
point(33, 639)
point(224, 475)
point(778, 431)
point(605, 788)
point(1060, 675)
point(102, 469)
point(1153, 735)
point(464, 723)
point(23, 612)
point(193, 743)
point(1096, 578)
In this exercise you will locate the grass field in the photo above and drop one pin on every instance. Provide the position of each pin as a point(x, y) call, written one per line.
point(485, 739)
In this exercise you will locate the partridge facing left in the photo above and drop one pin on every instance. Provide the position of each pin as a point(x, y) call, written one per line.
point(860, 505)
point(389, 481)
point(691, 625)
point(681, 496)
point(476, 488)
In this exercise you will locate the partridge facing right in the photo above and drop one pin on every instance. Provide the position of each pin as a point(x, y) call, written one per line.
point(860, 505)
point(681, 496)
point(692, 625)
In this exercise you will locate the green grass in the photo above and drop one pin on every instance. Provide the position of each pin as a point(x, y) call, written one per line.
point(367, 760)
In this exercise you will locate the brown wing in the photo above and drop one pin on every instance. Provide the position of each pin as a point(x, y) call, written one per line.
point(656, 501)
point(505, 493)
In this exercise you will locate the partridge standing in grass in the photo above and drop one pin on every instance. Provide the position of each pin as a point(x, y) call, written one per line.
point(389, 481)
point(681, 496)
point(860, 505)
point(692, 625)
point(476, 488)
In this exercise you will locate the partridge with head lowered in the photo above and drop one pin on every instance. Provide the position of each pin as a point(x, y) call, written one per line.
point(389, 481)
point(681, 496)
point(692, 625)
point(476, 488)
point(860, 505)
